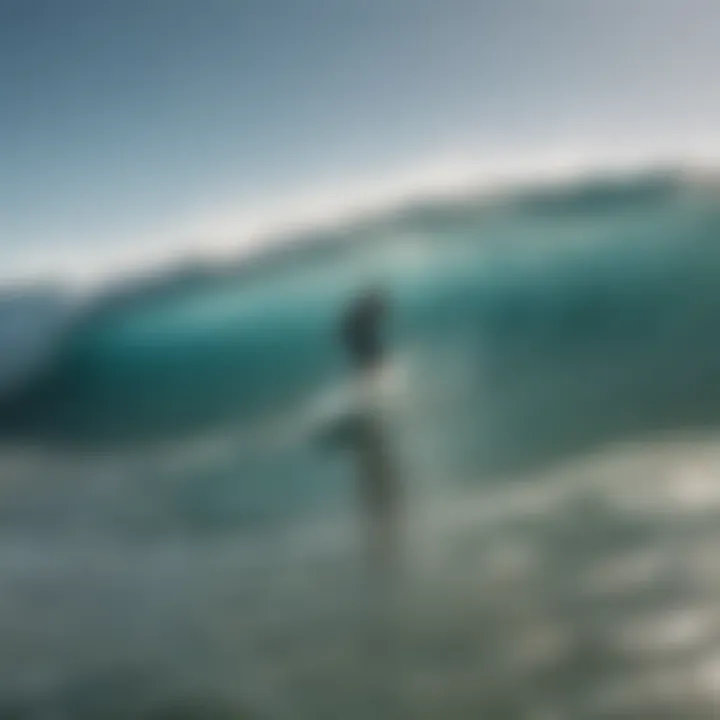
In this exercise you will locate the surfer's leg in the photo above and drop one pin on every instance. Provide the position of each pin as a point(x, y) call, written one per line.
point(379, 490)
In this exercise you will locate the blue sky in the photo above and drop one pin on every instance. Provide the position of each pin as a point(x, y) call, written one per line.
point(125, 119)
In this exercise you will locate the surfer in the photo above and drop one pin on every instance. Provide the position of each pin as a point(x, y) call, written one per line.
point(362, 337)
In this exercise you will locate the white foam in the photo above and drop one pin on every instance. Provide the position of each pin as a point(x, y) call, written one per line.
point(238, 230)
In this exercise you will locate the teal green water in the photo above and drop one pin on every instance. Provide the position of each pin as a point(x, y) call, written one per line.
point(166, 483)
point(597, 300)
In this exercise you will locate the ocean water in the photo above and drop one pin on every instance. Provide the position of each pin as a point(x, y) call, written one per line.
point(182, 537)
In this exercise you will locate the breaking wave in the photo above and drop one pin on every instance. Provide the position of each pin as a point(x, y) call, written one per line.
point(178, 518)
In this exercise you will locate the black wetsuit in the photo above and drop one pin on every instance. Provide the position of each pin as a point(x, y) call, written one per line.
point(361, 331)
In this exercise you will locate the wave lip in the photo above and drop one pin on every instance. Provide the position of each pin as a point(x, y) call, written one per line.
point(225, 232)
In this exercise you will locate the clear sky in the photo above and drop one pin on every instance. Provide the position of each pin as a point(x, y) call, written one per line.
point(128, 123)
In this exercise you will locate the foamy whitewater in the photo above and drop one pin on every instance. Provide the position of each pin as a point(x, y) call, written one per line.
point(180, 529)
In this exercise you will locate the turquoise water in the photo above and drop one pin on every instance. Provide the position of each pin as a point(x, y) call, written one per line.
point(176, 529)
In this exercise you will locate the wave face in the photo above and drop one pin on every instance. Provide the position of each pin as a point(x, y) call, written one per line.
point(167, 481)
point(605, 284)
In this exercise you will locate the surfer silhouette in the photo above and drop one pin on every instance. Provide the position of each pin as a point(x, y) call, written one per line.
point(378, 484)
